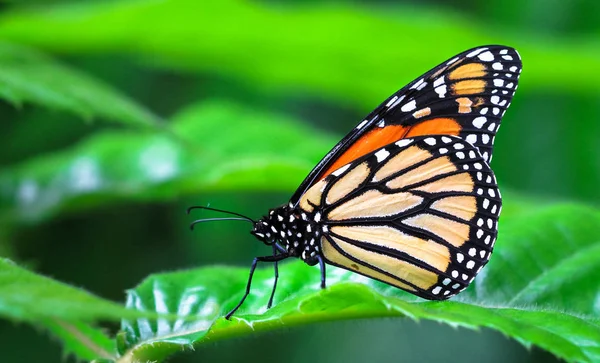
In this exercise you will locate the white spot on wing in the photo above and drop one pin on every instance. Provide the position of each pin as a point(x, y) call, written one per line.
point(430, 141)
point(475, 52)
point(404, 142)
point(382, 155)
point(438, 82)
point(417, 84)
point(486, 57)
point(410, 106)
point(441, 91)
point(479, 121)
point(397, 102)
point(341, 170)
point(391, 101)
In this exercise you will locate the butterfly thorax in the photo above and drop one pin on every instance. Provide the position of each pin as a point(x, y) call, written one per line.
point(292, 229)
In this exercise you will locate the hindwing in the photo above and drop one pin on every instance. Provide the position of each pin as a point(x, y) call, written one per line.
point(420, 214)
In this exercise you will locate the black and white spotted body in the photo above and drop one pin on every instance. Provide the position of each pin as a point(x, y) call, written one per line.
point(293, 231)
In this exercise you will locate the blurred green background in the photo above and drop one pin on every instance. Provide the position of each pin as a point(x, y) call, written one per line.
point(255, 64)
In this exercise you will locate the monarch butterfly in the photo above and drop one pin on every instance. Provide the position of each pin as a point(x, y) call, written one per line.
point(407, 197)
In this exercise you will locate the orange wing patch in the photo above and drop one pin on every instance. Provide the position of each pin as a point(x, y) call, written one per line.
point(470, 87)
point(422, 112)
point(382, 136)
point(464, 104)
point(370, 141)
point(471, 70)
point(435, 126)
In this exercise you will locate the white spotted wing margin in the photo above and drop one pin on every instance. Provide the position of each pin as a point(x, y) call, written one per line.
point(420, 214)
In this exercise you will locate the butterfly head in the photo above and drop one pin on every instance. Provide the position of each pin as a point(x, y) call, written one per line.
point(262, 231)
point(291, 230)
point(274, 227)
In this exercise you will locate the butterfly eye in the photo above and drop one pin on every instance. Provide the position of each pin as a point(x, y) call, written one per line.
point(261, 231)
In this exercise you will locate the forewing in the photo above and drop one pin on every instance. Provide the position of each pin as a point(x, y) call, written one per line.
point(420, 214)
point(465, 96)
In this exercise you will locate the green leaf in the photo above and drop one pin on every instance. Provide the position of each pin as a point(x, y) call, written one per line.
point(81, 340)
point(26, 296)
point(215, 145)
point(65, 311)
point(364, 57)
point(27, 76)
point(540, 288)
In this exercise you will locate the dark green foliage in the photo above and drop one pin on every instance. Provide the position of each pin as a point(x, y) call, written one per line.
point(231, 103)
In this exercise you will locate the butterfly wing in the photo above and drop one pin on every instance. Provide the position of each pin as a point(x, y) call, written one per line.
point(420, 214)
point(465, 96)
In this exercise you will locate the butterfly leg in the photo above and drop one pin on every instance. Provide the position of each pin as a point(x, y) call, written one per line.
point(322, 266)
point(252, 268)
point(275, 265)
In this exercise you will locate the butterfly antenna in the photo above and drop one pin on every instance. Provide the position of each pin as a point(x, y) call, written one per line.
point(220, 211)
point(242, 217)
point(219, 219)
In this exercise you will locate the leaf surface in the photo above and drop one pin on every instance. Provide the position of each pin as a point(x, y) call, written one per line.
point(540, 288)
point(29, 77)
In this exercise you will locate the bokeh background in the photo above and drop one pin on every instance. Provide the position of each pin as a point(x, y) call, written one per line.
point(324, 64)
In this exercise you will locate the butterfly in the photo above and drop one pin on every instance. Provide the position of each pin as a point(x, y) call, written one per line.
point(408, 196)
